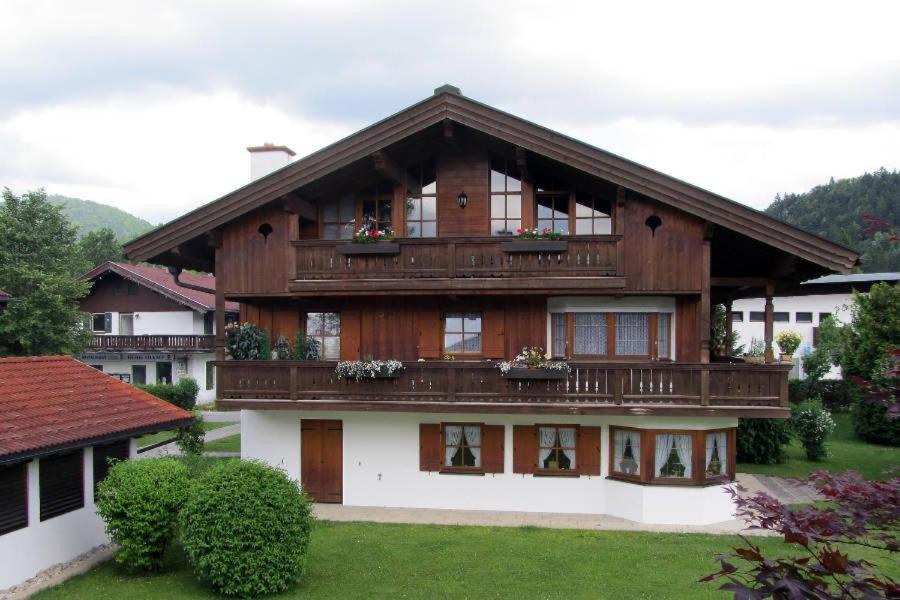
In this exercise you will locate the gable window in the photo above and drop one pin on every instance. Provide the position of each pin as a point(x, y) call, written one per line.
point(421, 201)
point(716, 455)
point(325, 328)
point(61, 484)
point(376, 207)
point(553, 207)
point(506, 198)
point(339, 218)
point(462, 333)
point(673, 456)
point(14, 491)
point(804, 317)
point(592, 215)
point(556, 448)
point(462, 447)
point(626, 452)
point(101, 322)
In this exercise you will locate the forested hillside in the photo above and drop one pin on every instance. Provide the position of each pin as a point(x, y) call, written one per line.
point(838, 210)
point(91, 216)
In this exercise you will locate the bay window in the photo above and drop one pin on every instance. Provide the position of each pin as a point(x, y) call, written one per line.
point(626, 452)
point(626, 335)
point(671, 457)
point(716, 459)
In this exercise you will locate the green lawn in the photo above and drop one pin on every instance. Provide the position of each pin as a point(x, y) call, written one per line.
point(232, 443)
point(146, 440)
point(369, 560)
point(845, 452)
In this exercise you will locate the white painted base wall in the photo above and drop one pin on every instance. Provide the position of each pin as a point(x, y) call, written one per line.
point(196, 368)
point(381, 468)
point(28, 551)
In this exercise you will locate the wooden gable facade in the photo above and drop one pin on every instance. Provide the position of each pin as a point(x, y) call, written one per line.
point(453, 180)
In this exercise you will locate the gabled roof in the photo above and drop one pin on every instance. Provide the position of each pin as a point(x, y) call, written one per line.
point(52, 403)
point(448, 105)
point(854, 278)
point(4, 297)
point(162, 281)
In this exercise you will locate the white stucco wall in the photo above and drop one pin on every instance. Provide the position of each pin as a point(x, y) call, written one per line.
point(30, 550)
point(196, 368)
point(381, 468)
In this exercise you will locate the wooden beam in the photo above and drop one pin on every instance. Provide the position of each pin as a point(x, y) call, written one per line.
point(387, 167)
point(770, 317)
point(619, 224)
point(301, 206)
point(708, 230)
point(522, 163)
point(741, 282)
point(705, 301)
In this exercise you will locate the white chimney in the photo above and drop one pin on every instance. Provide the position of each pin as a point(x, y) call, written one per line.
point(268, 158)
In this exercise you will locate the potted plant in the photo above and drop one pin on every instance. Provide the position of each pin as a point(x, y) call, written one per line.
point(370, 241)
point(788, 342)
point(368, 369)
point(532, 363)
point(756, 353)
point(535, 240)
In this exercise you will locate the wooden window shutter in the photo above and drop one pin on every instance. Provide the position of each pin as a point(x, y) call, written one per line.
point(588, 451)
point(525, 452)
point(429, 447)
point(428, 326)
point(350, 325)
point(492, 334)
point(492, 448)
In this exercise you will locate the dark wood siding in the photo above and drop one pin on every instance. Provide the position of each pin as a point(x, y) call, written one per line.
point(61, 483)
point(687, 329)
point(254, 263)
point(110, 295)
point(430, 447)
point(492, 441)
point(116, 451)
point(466, 171)
point(14, 494)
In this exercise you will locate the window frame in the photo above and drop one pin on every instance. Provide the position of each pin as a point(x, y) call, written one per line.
point(539, 470)
point(379, 193)
point(754, 316)
point(321, 339)
point(781, 316)
point(18, 514)
point(107, 318)
point(449, 469)
point(45, 513)
point(595, 198)
point(803, 319)
point(611, 334)
point(555, 195)
point(613, 472)
point(421, 196)
point(737, 316)
point(730, 458)
point(464, 313)
point(323, 224)
point(506, 193)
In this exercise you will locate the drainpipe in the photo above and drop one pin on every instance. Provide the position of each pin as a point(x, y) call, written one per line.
point(176, 273)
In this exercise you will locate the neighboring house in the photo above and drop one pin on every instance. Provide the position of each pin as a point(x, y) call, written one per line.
point(803, 309)
point(60, 421)
point(643, 427)
point(4, 299)
point(150, 328)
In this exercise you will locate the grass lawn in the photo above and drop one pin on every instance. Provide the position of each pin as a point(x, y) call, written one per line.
point(369, 560)
point(232, 443)
point(845, 452)
point(146, 440)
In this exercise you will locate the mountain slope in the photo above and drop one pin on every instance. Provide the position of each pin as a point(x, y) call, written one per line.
point(91, 216)
point(837, 209)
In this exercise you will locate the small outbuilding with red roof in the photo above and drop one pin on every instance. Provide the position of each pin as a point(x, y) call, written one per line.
point(60, 423)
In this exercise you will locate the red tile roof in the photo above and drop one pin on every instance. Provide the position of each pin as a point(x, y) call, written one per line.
point(50, 402)
point(160, 280)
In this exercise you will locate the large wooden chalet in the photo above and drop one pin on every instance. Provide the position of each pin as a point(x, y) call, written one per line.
point(625, 296)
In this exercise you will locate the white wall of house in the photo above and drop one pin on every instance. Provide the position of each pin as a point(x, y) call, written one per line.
point(381, 468)
point(833, 304)
point(42, 544)
point(194, 363)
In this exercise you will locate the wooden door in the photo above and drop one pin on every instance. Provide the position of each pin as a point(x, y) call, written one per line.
point(321, 459)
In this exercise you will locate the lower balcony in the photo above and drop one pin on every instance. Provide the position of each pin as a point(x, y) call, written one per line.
point(143, 343)
point(479, 387)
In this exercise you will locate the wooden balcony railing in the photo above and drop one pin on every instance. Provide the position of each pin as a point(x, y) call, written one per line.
point(153, 342)
point(480, 384)
point(581, 256)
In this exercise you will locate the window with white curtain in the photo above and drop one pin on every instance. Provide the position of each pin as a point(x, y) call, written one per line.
point(632, 334)
point(556, 448)
point(673, 456)
point(663, 341)
point(462, 446)
point(716, 454)
point(590, 333)
point(627, 453)
point(558, 334)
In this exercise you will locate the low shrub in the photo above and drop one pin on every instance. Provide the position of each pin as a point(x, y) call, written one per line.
point(246, 528)
point(182, 394)
point(812, 424)
point(835, 394)
point(245, 341)
point(761, 441)
point(282, 349)
point(872, 423)
point(139, 502)
point(306, 348)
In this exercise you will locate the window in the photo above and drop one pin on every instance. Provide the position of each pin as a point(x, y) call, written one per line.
point(716, 455)
point(663, 328)
point(612, 334)
point(14, 491)
point(462, 446)
point(590, 334)
point(116, 451)
point(757, 316)
point(462, 333)
point(164, 372)
point(737, 316)
point(421, 201)
point(626, 452)
point(803, 317)
point(101, 322)
point(592, 215)
point(673, 456)
point(138, 374)
point(61, 484)
point(506, 198)
point(781, 317)
point(376, 207)
point(209, 321)
point(558, 335)
point(126, 324)
point(210, 375)
point(556, 448)
point(339, 218)
point(632, 334)
point(823, 316)
point(325, 328)
point(553, 211)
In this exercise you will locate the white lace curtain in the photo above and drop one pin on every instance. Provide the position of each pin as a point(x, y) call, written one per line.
point(548, 440)
point(622, 440)
point(590, 333)
point(567, 442)
point(452, 438)
point(473, 440)
point(632, 334)
point(664, 445)
point(720, 440)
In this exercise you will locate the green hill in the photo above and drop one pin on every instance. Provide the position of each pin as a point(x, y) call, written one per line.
point(837, 211)
point(91, 216)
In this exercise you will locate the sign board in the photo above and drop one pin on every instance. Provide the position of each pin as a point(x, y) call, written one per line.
point(149, 356)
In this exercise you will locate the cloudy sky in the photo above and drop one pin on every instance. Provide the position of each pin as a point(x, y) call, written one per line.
point(149, 106)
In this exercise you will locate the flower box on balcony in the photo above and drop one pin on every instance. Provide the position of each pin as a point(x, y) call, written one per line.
point(372, 248)
point(531, 246)
point(521, 373)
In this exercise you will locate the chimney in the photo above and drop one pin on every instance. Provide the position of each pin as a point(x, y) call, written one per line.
point(268, 158)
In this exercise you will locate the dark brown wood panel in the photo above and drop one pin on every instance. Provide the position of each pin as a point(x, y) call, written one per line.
point(257, 263)
point(687, 329)
point(466, 171)
point(110, 294)
point(321, 459)
point(588, 451)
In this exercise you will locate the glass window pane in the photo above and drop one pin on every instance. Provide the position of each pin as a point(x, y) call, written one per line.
point(590, 333)
point(414, 209)
point(453, 342)
point(347, 230)
point(673, 455)
point(561, 226)
point(583, 227)
point(662, 335)
point(330, 212)
point(453, 323)
point(602, 226)
point(558, 323)
point(330, 232)
point(584, 206)
point(498, 207)
point(632, 334)
point(514, 206)
point(513, 224)
point(384, 211)
point(413, 230)
point(498, 227)
point(429, 230)
point(513, 184)
point(368, 211)
point(498, 181)
point(332, 323)
point(627, 458)
point(716, 454)
point(314, 324)
point(472, 342)
point(429, 208)
point(545, 224)
point(472, 322)
point(346, 208)
point(332, 348)
point(429, 178)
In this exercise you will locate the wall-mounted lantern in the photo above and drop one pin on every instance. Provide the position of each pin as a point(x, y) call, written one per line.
point(462, 199)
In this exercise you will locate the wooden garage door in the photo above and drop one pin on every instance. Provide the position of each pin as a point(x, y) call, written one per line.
point(321, 459)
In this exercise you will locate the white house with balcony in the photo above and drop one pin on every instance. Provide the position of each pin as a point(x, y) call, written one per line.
point(153, 327)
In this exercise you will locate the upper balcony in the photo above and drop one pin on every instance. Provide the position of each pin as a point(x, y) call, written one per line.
point(147, 343)
point(457, 264)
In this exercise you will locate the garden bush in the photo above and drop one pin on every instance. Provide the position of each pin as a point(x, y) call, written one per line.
point(182, 394)
point(812, 424)
point(139, 502)
point(306, 348)
point(761, 441)
point(190, 440)
point(872, 423)
point(282, 349)
point(245, 341)
point(246, 528)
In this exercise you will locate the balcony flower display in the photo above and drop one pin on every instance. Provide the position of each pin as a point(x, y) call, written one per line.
point(368, 369)
point(365, 235)
point(788, 342)
point(532, 363)
point(537, 234)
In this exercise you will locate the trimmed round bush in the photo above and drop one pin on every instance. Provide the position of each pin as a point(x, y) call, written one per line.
point(812, 424)
point(245, 529)
point(139, 502)
point(761, 441)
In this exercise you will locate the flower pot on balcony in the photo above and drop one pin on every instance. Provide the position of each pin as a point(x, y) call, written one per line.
point(786, 358)
point(518, 373)
point(532, 246)
point(373, 248)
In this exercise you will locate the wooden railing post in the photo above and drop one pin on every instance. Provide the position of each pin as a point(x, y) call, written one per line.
point(295, 383)
point(704, 386)
point(770, 318)
point(618, 384)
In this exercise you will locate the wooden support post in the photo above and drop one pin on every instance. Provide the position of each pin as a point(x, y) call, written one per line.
point(705, 301)
point(729, 327)
point(770, 317)
point(295, 382)
point(619, 224)
point(214, 239)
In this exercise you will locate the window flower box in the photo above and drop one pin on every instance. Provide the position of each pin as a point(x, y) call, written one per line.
point(368, 369)
point(532, 246)
point(526, 373)
point(532, 363)
point(368, 248)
